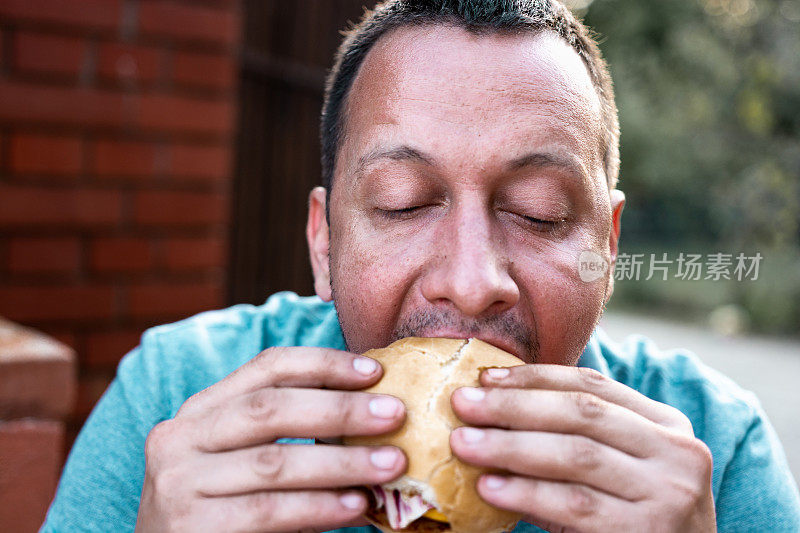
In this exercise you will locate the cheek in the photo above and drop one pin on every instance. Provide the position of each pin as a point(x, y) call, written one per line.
point(371, 277)
point(367, 261)
point(565, 308)
point(571, 310)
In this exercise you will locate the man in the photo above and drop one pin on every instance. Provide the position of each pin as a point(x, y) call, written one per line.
point(470, 157)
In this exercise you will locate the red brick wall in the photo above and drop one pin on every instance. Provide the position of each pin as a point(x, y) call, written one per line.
point(116, 129)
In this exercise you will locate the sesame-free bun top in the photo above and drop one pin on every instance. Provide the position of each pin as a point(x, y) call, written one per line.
point(423, 373)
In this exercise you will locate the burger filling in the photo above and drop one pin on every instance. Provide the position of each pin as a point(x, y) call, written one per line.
point(402, 509)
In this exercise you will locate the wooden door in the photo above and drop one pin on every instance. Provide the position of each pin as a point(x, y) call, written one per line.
point(287, 48)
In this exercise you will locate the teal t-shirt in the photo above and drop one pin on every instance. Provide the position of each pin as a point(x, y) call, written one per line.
point(102, 480)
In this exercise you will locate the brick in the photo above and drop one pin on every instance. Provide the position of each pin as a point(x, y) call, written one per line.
point(73, 426)
point(195, 253)
point(29, 206)
point(173, 114)
point(168, 301)
point(66, 337)
point(44, 255)
point(31, 455)
point(37, 374)
point(38, 52)
point(105, 349)
point(129, 63)
point(121, 254)
point(90, 388)
point(124, 159)
point(99, 14)
point(179, 208)
point(214, 71)
point(57, 303)
point(206, 162)
point(32, 103)
point(46, 154)
point(188, 22)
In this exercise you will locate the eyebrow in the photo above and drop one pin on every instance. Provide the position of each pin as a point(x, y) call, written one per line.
point(531, 160)
point(400, 153)
point(547, 159)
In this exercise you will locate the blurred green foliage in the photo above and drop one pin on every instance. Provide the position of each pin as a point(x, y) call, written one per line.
point(709, 100)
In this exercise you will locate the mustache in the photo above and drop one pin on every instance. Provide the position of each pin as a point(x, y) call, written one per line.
point(506, 326)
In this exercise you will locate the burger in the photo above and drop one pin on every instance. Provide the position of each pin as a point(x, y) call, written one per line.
point(438, 491)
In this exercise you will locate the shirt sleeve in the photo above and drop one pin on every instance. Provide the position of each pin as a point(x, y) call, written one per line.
point(102, 480)
point(758, 492)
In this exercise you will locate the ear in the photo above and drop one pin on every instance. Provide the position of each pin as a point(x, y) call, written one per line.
point(617, 204)
point(317, 236)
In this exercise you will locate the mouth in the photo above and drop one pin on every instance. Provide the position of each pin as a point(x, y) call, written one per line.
point(504, 344)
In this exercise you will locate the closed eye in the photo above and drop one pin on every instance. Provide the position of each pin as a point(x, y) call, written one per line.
point(534, 220)
point(542, 225)
point(400, 213)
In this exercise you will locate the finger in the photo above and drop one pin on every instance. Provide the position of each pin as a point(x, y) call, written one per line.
point(579, 379)
point(572, 506)
point(290, 367)
point(313, 511)
point(268, 414)
point(291, 466)
point(576, 413)
point(551, 456)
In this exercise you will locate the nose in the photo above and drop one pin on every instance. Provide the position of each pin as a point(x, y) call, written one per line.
point(471, 270)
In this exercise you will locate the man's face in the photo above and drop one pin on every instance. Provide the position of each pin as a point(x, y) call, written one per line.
point(469, 181)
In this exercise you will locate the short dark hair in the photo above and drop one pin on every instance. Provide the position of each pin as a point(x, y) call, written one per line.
point(477, 16)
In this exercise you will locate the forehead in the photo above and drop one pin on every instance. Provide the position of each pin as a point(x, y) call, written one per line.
point(446, 84)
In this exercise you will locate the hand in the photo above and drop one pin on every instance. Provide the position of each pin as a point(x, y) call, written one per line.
point(216, 467)
point(585, 453)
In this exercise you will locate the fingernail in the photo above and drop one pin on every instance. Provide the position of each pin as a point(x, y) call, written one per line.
point(472, 394)
point(351, 500)
point(365, 365)
point(385, 458)
point(498, 373)
point(385, 407)
point(471, 435)
point(494, 482)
